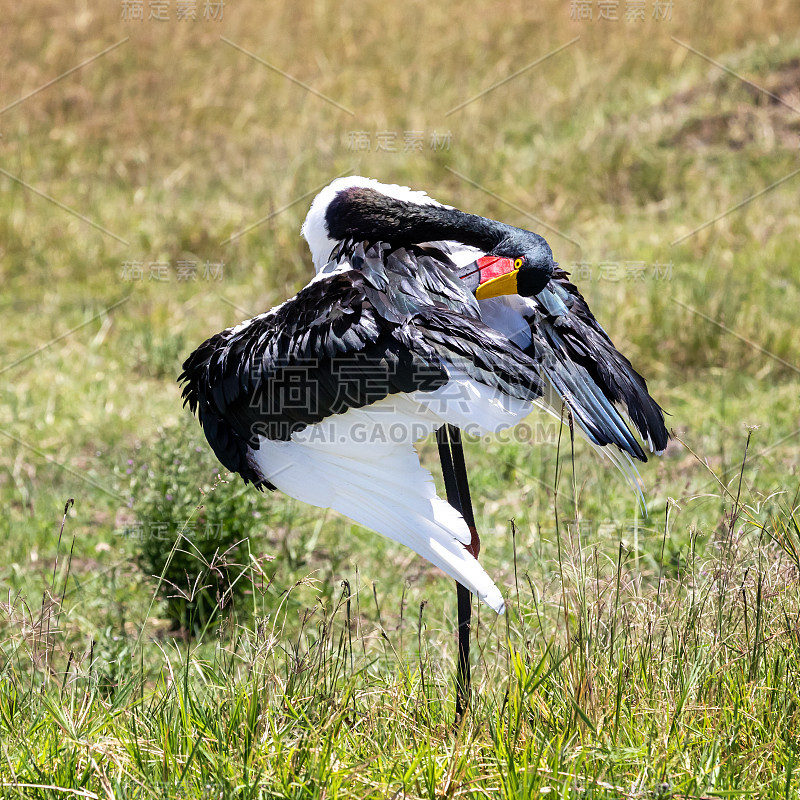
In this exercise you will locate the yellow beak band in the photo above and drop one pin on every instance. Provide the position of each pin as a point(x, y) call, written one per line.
point(495, 287)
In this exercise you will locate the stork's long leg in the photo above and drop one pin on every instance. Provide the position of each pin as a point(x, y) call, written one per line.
point(454, 470)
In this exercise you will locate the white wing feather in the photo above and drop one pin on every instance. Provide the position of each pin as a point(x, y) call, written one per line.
point(363, 464)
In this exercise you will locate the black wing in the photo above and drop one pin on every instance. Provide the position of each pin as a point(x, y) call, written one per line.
point(595, 380)
point(576, 356)
point(347, 340)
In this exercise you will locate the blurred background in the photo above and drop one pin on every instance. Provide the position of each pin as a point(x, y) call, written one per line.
point(156, 162)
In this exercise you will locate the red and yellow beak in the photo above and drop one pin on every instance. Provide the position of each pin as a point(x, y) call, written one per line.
point(498, 276)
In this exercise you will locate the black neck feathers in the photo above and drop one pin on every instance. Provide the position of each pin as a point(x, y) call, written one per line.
point(365, 215)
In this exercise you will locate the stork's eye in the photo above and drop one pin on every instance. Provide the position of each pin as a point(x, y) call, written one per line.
point(518, 262)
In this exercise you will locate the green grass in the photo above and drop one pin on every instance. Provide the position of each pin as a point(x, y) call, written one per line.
point(639, 657)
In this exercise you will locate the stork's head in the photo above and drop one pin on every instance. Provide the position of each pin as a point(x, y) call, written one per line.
point(521, 264)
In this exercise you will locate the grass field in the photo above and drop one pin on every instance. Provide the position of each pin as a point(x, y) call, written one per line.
point(153, 178)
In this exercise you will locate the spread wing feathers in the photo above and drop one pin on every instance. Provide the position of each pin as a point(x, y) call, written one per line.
point(595, 380)
point(599, 385)
point(577, 357)
point(409, 277)
point(383, 488)
point(342, 342)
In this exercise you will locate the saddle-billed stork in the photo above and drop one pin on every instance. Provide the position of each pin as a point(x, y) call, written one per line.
point(421, 319)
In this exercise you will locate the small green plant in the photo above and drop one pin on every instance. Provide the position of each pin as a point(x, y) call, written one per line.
point(190, 527)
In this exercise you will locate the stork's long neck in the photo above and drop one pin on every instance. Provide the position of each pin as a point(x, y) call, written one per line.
point(364, 214)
